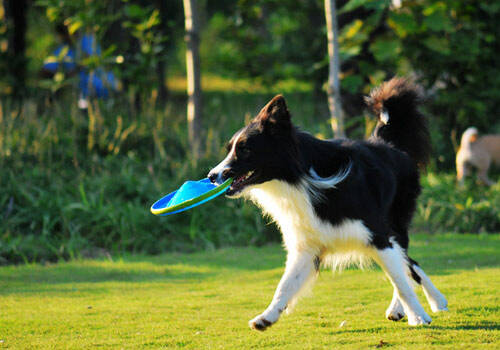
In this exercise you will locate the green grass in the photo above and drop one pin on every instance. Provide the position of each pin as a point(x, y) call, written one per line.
point(204, 300)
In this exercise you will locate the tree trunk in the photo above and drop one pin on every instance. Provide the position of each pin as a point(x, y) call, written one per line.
point(16, 12)
point(194, 113)
point(161, 65)
point(334, 101)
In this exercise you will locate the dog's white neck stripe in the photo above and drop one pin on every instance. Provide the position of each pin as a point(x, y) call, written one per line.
point(225, 163)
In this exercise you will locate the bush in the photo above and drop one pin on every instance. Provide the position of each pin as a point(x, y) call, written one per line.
point(57, 216)
point(443, 206)
point(74, 184)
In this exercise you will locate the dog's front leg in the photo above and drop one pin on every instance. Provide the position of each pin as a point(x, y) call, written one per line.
point(299, 269)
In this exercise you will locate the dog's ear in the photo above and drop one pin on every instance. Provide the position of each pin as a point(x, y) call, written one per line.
point(275, 114)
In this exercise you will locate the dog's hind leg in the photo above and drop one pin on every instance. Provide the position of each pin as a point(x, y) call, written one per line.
point(393, 262)
point(300, 268)
point(436, 299)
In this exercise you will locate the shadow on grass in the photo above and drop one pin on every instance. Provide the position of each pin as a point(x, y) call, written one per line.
point(248, 258)
point(74, 273)
point(483, 325)
point(442, 256)
point(439, 256)
point(139, 269)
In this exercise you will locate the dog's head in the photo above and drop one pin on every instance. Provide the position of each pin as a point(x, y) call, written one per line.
point(261, 151)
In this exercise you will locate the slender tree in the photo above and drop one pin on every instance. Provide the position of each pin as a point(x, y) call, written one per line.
point(194, 113)
point(334, 101)
point(161, 65)
point(16, 14)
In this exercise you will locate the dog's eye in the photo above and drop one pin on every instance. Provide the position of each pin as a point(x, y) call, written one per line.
point(242, 152)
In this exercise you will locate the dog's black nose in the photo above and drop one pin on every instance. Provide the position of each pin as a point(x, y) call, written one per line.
point(212, 177)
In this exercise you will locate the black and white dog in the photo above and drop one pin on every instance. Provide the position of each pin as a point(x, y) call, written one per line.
point(338, 202)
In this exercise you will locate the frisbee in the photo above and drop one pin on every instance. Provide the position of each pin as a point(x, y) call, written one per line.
point(189, 195)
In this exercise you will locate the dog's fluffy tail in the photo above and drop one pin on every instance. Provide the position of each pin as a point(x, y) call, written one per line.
point(395, 103)
point(468, 137)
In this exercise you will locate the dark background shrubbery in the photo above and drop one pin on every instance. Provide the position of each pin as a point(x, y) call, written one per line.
point(71, 182)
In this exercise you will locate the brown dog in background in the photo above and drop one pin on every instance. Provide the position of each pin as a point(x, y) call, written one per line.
point(478, 152)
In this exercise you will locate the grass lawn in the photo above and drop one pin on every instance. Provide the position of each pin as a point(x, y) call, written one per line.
point(204, 300)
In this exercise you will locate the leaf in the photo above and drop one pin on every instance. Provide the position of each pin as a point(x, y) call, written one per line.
point(385, 49)
point(135, 11)
point(438, 21)
point(468, 203)
point(459, 206)
point(347, 52)
point(73, 206)
point(402, 23)
point(377, 77)
point(53, 13)
point(440, 45)
point(351, 29)
point(492, 7)
point(352, 83)
point(370, 4)
point(74, 27)
point(437, 6)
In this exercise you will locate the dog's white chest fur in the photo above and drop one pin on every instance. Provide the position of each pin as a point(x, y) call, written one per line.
point(291, 207)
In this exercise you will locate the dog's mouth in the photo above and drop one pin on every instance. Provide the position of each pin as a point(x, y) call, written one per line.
point(240, 182)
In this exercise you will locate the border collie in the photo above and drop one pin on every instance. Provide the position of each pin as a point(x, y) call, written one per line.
point(341, 201)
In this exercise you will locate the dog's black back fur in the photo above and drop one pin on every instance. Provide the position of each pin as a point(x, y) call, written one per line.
point(383, 182)
point(381, 188)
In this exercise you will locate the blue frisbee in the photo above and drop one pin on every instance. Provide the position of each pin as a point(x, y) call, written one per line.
point(189, 195)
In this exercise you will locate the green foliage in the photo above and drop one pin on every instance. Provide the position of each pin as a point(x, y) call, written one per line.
point(449, 45)
point(73, 182)
point(452, 44)
point(143, 24)
point(132, 34)
point(444, 206)
point(263, 39)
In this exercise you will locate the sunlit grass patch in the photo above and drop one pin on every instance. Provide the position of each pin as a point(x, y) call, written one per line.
point(217, 83)
point(204, 300)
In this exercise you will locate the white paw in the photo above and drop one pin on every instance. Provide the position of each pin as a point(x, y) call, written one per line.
point(263, 321)
point(439, 304)
point(395, 311)
point(417, 320)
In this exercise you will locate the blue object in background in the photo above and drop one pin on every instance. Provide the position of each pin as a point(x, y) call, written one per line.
point(89, 45)
point(68, 61)
point(97, 83)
